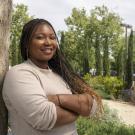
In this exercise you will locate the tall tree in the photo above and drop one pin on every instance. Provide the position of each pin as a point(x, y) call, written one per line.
point(19, 18)
point(119, 63)
point(129, 63)
point(5, 20)
point(75, 40)
point(86, 57)
point(104, 29)
point(106, 62)
point(98, 56)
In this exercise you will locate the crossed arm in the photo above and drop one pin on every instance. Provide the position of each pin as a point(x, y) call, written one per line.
point(69, 107)
point(31, 103)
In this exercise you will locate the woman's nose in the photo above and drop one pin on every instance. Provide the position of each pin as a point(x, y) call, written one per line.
point(47, 41)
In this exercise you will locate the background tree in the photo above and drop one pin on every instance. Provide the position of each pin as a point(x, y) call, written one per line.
point(133, 53)
point(129, 63)
point(90, 40)
point(119, 63)
point(19, 18)
point(75, 42)
point(98, 57)
point(94, 32)
point(5, 20)
point(107, 26)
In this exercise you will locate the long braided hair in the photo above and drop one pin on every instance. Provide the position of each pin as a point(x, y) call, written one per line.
point(58, 63)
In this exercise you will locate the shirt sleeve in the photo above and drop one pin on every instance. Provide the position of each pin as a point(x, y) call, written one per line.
point(26, 95)
point(94, 108)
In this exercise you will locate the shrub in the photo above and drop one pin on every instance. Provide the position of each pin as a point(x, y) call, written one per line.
point(108, 124)
point(107, 87)
point(113, 85)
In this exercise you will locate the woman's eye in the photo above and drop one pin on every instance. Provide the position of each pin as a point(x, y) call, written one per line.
point(42, 37)
point(53, 37)
point(39, 37)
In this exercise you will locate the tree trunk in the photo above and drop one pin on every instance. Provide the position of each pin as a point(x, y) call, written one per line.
point(5, 18)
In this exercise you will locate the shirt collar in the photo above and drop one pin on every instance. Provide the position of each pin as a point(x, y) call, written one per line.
point(41, 69)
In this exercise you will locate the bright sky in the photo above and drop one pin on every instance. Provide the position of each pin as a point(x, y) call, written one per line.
point(56, 11)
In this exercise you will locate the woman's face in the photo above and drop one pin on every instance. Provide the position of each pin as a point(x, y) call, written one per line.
point(43, 44)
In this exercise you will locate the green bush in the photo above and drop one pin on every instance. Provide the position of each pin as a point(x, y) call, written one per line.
point(108, 124)
point(113, 85)
point(107, 87)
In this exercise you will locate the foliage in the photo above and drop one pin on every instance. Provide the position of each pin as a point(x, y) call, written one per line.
point(109, 124)
point(74, 41)
point(129, 63)
point(88, 127)
point(119, 63)
point(19, 18)
point(98, 61)
point(91, 39)
point(133, 53)
point(106, 26)
point(106, 86)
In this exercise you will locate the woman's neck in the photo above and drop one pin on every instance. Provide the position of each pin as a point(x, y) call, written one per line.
point(40, 64)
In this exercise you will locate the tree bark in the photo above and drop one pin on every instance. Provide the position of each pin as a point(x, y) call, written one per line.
point(5, 19)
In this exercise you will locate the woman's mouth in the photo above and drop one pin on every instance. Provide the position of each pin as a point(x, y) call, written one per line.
point(47, 50)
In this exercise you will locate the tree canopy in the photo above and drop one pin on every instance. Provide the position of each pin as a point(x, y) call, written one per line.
point(91, 39)
point(19, 17)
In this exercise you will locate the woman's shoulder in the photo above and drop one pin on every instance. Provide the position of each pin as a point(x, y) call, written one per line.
point(23, 65)
point(21, 68)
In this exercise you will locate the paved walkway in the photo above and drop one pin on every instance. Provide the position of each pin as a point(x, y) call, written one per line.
point(126, 111)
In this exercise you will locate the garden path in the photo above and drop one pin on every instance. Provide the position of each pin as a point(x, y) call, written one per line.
point(126, 111)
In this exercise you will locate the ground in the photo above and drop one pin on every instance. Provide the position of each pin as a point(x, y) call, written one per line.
point(126, 111)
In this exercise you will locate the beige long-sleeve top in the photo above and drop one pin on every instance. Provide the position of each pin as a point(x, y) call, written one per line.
point(25, 91)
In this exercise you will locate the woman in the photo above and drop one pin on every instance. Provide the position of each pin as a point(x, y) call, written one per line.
point(43, 95)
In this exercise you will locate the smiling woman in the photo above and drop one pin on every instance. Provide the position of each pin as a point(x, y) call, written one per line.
point(43, 45)
point(43, 95)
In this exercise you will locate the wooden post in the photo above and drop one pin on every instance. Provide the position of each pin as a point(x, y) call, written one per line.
point(5, 20)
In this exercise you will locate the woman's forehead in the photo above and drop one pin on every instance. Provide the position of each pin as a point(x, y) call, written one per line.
point(44, 27)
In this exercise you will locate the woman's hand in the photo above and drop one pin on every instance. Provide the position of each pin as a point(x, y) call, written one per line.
point(64, 116)
point(54, 99)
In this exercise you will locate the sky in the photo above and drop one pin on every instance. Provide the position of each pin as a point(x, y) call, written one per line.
point(55, 11)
